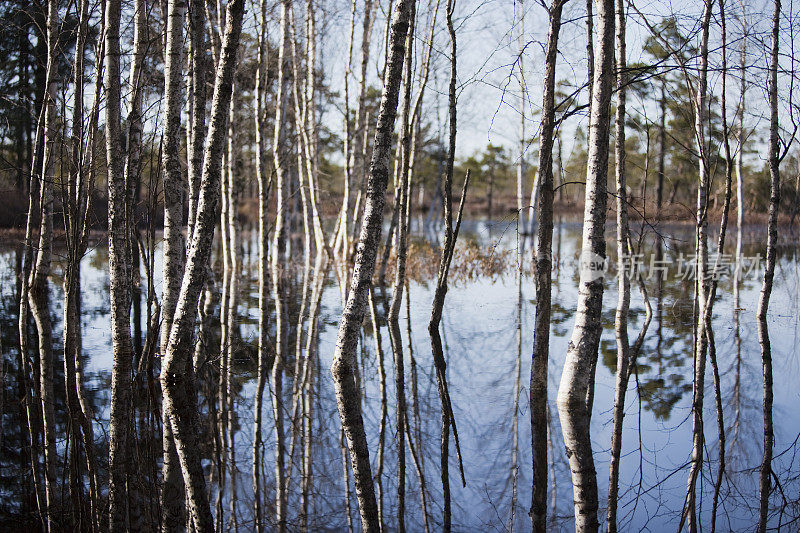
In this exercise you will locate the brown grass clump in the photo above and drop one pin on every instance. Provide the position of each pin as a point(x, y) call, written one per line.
point(470, 262)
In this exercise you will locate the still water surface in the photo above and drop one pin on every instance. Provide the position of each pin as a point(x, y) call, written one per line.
point(487, 332)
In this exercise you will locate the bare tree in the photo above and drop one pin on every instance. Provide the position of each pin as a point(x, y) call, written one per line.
point(358, 154)
point(712, 352)
point(75, 199)
point(624, 288)
point(177, 376)
point(39, 295)
point(740, 134)
point(544, 265)
point(282, 154)
point(263, 261)
point(578, 376)
point(402, 171)
point(172, 493)
point(765, 474)
point(344, 363)
point(174, 247)
point(437, 306)
point(699, 97)
point(231, 193)
point(197, 104)
point(119, 266)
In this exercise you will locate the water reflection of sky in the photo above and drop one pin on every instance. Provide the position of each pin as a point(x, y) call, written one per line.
point(481, 345)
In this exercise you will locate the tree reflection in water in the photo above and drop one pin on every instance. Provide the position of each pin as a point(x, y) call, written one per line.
point(486, 337)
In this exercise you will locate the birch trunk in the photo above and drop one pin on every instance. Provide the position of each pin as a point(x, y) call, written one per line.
point(624, 284)
point(662, 145)
point(32, 409)
point(581, 358)
point(75, 202)
point(222, 362)
point(263, 265)
point(198, 105)
point(174, 246)
point(359, 153)
point(177, 378)
point(544, 265)
point(699, 97)
point(765, 474)
point(133, 163)
point(379, 355)
point(590, 60)
point(437, 307)
point(89, 158)
point(39, 295)
point(401, 231)
point(515, 404)
point(132, 173)
point(119, 267)
point(172, 494)
point(721, 432)
point(741, 140)
point(282, 154)
point(310, 130)
point(342, 237)
point(343, 368)
point(232, 304)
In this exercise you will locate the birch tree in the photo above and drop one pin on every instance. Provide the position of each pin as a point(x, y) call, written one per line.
point(39, 292)
point(282, 153)
point(402, 169)
point(344, 363)
point(360, 134)
point(75, 201)
point(197, 129)
point(174, 247)
point(624, 283)
point(119, 267)
point(437, 306)
point(544, 249)
point(177, 376)
point(521, 170)
point(765, 473)
point(263, 260)
point(581, 356)
point(700, 96)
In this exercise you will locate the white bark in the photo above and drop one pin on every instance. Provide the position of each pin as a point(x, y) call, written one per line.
point(578, 375)
point(177, 377)
point(359, 153)
point(344, 363)
point(402, 167)
point(765, 474)
point(172, 494)
point(282, 154)
point(699, 97)
point(624, 285)
point(119, 267)
point(263, 265)
point(39, 297)
point(197, 119)
point(174, 247)
point(232, 304)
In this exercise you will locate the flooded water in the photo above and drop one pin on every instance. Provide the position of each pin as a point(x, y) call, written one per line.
point(488, 336)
